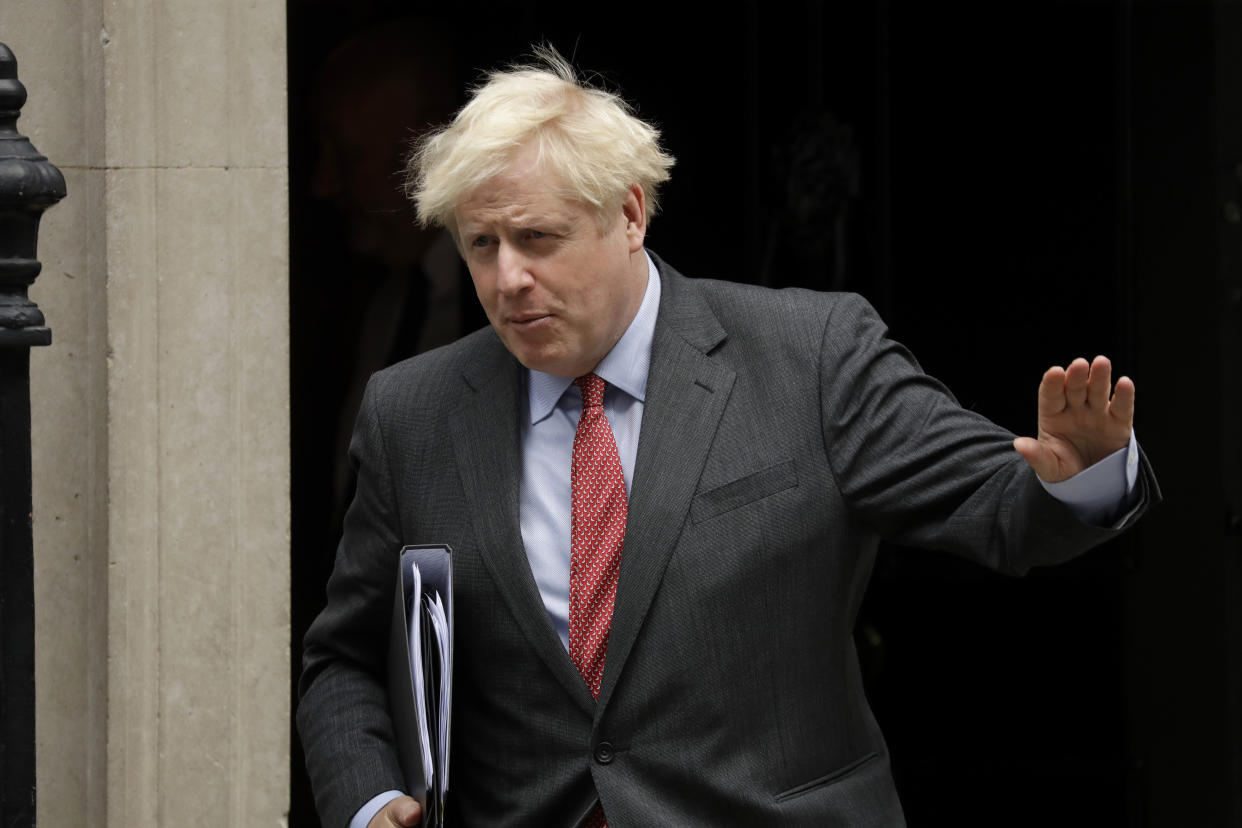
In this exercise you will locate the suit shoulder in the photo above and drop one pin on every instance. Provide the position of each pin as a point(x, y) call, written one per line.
point(790, 299)
point(438, 370)
point(794, 312)
point(415, 400)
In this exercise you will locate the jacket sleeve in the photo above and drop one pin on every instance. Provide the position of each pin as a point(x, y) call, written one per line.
point(925, 472)
point(342, 716)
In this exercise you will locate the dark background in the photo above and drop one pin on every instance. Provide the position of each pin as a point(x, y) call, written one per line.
point(1012, 185)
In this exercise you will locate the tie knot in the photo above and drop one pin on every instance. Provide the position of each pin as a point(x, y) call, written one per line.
point(592, 390)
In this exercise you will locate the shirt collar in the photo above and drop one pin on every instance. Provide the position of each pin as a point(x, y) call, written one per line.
point(624, 367)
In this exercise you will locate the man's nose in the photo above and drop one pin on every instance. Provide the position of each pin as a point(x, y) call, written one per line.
point(512, 269)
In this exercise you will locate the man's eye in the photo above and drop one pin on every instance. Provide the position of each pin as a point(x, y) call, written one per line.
point(538, 234)
point(480, 241)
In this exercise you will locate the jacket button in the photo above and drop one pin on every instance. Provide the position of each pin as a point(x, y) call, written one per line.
point(604, 753)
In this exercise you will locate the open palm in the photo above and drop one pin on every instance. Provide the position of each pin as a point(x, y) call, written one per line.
point(1082, 419)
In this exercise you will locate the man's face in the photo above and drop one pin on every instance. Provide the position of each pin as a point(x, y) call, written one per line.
point(559, 291)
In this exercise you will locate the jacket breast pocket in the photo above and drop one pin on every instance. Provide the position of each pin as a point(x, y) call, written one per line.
point(748, 489)
point(836, 777)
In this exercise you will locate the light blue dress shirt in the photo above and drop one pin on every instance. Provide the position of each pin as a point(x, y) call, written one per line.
point(550, 419)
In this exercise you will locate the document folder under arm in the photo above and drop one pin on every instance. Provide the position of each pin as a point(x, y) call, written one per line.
point(420, 672)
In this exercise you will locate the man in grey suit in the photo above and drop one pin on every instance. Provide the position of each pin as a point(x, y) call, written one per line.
point(766, 440)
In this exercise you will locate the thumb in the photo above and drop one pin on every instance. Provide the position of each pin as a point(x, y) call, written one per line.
point(1039, 457)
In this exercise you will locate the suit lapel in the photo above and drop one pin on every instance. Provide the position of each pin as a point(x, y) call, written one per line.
point(686, 396)
point(487, 444)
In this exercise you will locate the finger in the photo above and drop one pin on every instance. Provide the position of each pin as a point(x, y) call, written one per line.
point(1076, 382)
point(1052, 392)
point(1099, 383)
point(1122, 406)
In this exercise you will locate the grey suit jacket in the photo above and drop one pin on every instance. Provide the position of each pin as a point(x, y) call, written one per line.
point(782, 436)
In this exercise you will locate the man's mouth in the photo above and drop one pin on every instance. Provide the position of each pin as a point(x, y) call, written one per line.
point(528, 319)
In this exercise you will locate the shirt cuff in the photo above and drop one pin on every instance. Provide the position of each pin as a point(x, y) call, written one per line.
point(367, 812)
point(1100, 492)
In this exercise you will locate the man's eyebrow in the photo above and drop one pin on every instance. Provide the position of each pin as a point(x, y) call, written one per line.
point(548, 219)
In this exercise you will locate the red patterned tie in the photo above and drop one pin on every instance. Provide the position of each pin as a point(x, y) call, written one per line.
point(597, 531)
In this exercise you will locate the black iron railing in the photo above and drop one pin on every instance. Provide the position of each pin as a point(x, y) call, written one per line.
point(29, 184)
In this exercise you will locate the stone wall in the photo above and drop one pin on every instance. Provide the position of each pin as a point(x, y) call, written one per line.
point(160, 412)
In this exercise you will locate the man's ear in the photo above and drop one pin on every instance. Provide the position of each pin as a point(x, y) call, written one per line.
point(635, 210)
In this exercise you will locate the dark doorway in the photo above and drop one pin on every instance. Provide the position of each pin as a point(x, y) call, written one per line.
point(1011, 185)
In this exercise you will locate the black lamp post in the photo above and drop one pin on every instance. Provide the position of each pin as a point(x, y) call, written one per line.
point(29, 184)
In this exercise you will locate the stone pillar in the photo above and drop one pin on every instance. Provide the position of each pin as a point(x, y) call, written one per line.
point(160, 414)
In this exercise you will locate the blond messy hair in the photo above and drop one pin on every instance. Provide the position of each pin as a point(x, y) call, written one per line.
point(589, 137)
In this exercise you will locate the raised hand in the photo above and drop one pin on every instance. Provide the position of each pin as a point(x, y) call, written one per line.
point(1082, 419)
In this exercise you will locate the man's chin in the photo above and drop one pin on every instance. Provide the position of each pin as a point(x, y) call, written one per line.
point(553, 362)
